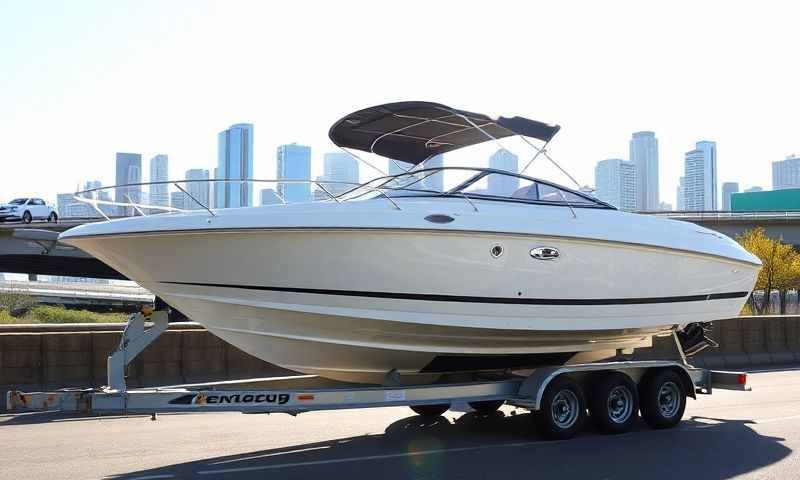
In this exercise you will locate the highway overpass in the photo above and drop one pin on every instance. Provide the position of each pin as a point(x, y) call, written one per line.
point(31, 249)
point(87, 295)
point(784, 225)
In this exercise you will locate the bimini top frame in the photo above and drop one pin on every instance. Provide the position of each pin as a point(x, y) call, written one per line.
point(413, 132)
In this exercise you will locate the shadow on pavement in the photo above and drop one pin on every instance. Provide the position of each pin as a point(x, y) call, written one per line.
point(498, 446)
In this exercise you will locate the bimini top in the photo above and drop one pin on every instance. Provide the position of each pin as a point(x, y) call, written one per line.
point(415, 131)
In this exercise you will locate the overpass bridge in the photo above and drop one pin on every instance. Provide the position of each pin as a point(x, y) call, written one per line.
point(81, 294)
point(785, 225)
point(33, 249)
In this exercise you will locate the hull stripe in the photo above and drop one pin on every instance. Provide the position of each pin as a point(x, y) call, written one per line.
point(428, 297)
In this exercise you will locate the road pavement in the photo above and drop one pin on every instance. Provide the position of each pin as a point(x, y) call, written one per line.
point(725, 435)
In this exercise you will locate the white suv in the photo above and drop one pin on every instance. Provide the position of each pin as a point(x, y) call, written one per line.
point(27, 210)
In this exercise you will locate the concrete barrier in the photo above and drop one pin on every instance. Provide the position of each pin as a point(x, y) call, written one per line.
point(45, 357)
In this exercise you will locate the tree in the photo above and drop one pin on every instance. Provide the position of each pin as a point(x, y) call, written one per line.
point(780, 265)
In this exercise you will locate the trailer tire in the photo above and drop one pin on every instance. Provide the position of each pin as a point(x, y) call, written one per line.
point(487, 406)
point(562, 411)
point(614, 403)
point(430, 410)
point(662, 397)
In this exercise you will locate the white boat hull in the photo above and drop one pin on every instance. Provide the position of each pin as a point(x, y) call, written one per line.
point(356, 303)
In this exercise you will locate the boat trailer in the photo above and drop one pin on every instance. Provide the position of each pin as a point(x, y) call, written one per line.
point(543, 391)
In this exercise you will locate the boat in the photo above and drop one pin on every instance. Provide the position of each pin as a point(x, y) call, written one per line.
point(394, 281)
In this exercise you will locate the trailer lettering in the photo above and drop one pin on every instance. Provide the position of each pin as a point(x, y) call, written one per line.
point(251, 398)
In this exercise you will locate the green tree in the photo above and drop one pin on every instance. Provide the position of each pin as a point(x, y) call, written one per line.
point(780, 266)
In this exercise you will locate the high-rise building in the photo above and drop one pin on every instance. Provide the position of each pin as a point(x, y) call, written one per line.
point(129, 170)
point(177, 200)
point(681, 196)
point(159, 172)
point(269, 197)
point(434, 182)
point(340, 167)
point(199, 189)
point(786, 173)
point(503, 185)
point(294, 162)
point(728, 189)
point(701, 177)
point(234, 162)
point(63, 202)
point(616, 183)
point(644, 154)
point(396, 167)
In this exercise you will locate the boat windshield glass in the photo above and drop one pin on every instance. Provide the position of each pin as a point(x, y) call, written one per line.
point(504, 185)
point(484, 183)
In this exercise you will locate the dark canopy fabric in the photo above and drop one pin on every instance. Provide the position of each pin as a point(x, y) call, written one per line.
point(415, 131)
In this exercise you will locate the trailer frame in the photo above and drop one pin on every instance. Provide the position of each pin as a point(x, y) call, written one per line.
point(305, 393)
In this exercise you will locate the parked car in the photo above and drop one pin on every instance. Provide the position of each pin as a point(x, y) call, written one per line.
point(27, 210)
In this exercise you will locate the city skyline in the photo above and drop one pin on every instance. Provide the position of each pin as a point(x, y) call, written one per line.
point(698, 193)
point(145, 101)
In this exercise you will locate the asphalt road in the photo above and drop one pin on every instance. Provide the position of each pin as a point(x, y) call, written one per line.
point(726, 435)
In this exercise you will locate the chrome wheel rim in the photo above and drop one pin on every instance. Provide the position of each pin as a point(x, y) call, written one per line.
point(669, 399)
point(565, 409)
point(620, 404)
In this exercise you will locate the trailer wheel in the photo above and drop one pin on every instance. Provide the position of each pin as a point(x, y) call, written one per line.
point(562, 411)
point(663, 399)
point(430, 410)
point(486, 407)
point(614, 403)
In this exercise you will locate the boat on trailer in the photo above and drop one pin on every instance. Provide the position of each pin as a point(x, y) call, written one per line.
point(396, 280)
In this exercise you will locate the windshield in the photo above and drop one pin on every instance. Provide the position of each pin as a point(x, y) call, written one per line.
point(483, 183)
point(18, 201)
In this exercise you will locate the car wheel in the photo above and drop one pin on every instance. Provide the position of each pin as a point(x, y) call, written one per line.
point(27, 217)
point(52, 218)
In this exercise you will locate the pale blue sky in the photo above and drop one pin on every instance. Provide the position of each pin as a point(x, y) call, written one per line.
point(80, 80)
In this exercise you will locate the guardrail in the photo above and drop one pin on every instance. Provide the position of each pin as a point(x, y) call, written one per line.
point(727, 215)
point(93, 291)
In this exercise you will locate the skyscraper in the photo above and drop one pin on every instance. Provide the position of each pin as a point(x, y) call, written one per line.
point(129, 170)
point(234, 161)
point(615, 182)
point(503, 185)
point(269, 197)
point(340, 167)
point(701, 177)
point(728, 188)
point(786, 173)
point(681, 196)
point(435, 181)
point(644, 154)
point(294, 162)
point(177, 200)
point(198, 189)
point(397, 167)
point(159, 172)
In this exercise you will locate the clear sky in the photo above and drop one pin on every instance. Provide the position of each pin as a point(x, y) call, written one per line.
point(81, 80)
